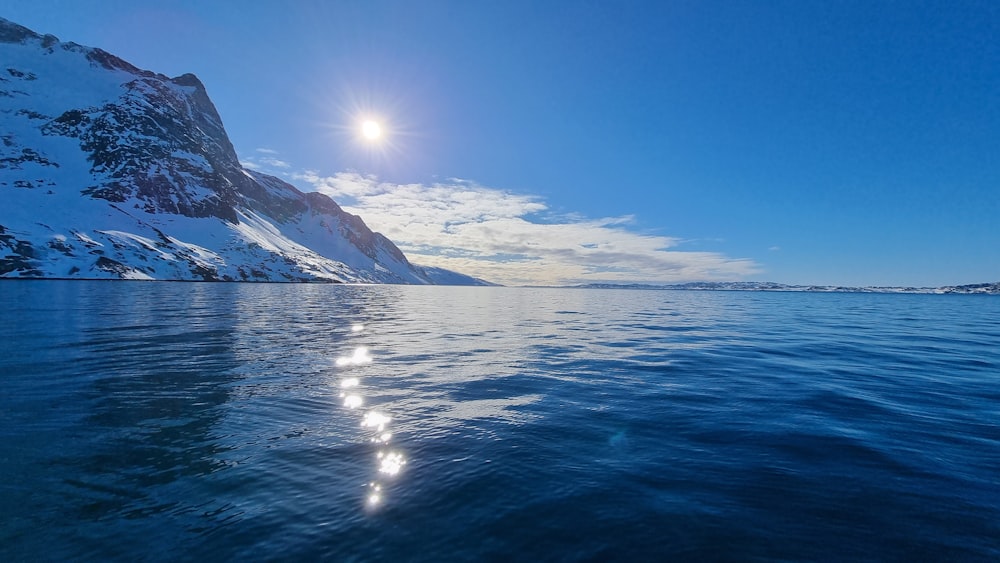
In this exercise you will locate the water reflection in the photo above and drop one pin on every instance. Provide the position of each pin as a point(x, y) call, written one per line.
point(389, 462)
point(210, 418)
point(358, 358)
point(118, 414)
point(375, 419)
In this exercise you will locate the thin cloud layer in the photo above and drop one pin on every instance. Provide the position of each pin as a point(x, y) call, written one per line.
point(513, 239)
point(268, 161)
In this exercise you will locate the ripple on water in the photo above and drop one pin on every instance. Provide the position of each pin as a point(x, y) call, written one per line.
point(488, 423)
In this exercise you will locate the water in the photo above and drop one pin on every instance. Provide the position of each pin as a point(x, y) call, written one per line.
point(187, 421)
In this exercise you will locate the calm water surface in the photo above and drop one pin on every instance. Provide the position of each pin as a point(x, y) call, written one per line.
point(185, 421)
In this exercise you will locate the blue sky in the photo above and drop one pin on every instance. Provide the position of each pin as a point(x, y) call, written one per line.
point(844, 142)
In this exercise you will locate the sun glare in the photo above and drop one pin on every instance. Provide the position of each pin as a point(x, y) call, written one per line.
point(371, 130)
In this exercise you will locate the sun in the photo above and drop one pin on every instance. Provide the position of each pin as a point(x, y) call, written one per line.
point(371, 130)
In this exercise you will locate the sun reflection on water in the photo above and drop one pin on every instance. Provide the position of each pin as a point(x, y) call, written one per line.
point(353, 401)
point(376, 495)
point(359, 357)
point(375, 419)
point(389, 462)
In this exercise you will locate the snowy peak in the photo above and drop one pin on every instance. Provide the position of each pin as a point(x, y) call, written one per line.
point(111, 171)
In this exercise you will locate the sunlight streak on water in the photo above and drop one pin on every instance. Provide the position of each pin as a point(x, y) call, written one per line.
point(389, 463)
point(358, 358)
point(375, 498)
point(353, 401)
point(376, 420)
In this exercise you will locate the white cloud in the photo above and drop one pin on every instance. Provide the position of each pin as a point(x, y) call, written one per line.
point(513, 238)
point(277, 163)
point(268, 162)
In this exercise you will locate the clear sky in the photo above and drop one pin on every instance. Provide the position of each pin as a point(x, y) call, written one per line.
point(843, 142)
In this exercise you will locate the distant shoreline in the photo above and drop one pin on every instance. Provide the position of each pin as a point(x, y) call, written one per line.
point(969, 289)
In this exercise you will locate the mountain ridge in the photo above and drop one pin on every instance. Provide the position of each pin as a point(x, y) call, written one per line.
point(109, 171)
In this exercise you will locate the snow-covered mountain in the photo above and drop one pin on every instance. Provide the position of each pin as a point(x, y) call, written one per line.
point(110, 171)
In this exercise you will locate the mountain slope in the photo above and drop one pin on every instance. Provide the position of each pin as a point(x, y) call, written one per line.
point(110, 171)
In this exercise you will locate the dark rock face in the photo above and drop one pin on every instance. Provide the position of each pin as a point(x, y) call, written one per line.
point(161, 146)
point(10, 32)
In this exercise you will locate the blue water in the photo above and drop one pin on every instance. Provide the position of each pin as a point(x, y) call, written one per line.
point(193, 421)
